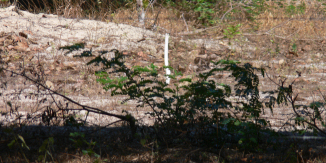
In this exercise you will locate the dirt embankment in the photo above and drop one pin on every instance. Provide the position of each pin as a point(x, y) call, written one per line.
point(33, 40)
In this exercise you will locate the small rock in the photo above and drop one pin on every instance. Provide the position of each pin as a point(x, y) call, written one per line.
point(257, 64)
point(10, 47)
point(318, 55)
point(204, 56)
point(47, 72)
point(281, 61)
point(141, 54)
point(195, 68)
point(213, 56)
point(101, 40)
point(21, 46)
point(49, 84)
point(309, 60)
point(49, 49)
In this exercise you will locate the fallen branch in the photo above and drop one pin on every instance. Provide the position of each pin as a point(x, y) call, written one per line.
point(127, 118)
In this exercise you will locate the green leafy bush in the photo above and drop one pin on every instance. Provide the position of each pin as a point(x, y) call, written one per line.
point(46, 148)
point(309, 117)
point(200, 10)
point(293, 10)
point(189, 105)
point(80, 141)
point(205, 11)
point(255, 7)
point(231, 32)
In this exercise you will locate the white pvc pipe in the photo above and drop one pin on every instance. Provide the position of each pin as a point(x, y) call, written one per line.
point(166, 57)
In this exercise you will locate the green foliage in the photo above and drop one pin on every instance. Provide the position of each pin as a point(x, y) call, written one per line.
point(294, 47)
point(293, 10)
point(205, 11)
point(46, 147)
point(71, 121)
point(18, 140)
point(232, 31)
point(145, 3)
point(254, 8)
point(80, 140)
point(309, 115)
point(77, 138)
point(182, 105)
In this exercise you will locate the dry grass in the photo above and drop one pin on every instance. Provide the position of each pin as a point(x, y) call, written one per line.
point(309, 25)
point(275, 20)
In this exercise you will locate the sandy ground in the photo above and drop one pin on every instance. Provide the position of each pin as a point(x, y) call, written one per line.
point(35, 39)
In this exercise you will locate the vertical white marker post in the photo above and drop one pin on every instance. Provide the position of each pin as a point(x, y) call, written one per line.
point(166, 57)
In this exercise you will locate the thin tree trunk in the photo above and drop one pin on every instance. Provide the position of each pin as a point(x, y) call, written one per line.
point(141, 13)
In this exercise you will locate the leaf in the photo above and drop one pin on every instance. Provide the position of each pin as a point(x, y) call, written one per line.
point(48, 152)
point(301, 132)
point(169, 67)
point(85, 152)
point(228, 120)
point(317, 104)
point(97, 155)
point(241, 132)
point(240, 141)
point(300, 119)
point(74, 134)
point(40, 158)
point(11, 143)
point(92, 143)
point(143, 141)
point(237, 123)
point(253, 140)
point(153, 66)
point(141, 69)
point(43, 146)
point(185, 79)
point(170, 76)
point(169, 90)
point(23, 141)
point(101, 74)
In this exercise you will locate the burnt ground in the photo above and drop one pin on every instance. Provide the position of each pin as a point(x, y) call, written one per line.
point(32, 43)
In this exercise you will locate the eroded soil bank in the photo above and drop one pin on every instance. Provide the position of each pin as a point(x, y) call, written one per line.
point(34, 41)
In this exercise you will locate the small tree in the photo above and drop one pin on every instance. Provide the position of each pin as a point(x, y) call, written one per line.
point(194, 107)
